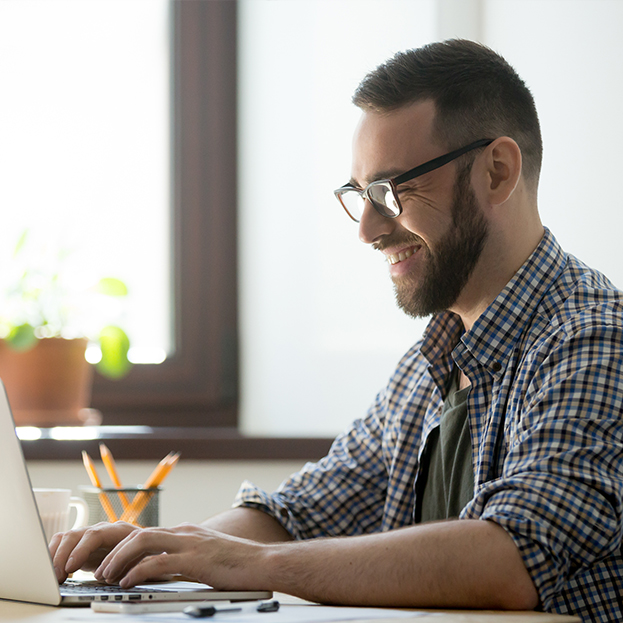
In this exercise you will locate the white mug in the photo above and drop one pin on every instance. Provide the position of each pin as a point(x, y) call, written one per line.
point(54, 506)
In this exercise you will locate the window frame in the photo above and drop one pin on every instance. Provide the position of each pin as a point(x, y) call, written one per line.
point(198, 384)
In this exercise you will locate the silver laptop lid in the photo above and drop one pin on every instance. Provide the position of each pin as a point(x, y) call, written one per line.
point(26, 570)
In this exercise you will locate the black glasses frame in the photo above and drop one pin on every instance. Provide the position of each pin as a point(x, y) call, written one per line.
point(393, 182)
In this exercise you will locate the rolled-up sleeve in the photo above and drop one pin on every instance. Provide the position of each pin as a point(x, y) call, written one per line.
point(561, 489)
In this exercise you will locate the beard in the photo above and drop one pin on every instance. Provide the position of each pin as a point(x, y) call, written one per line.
point(449, 266)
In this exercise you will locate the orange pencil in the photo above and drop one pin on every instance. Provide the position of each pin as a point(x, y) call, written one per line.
point(96, 482)
point(111, 468)
point(171, 463)
point(155, 478)
point(162, 470)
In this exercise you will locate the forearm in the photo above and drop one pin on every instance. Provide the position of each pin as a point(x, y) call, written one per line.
point(465, 564)
point(248, 523)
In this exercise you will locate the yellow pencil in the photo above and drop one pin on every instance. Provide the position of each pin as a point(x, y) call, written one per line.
point(162, 470)
point(170, 464)
point(156, 477)
point(96, 482)
point(111, 468)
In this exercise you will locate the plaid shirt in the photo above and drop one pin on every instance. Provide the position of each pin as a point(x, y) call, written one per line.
point(546, 365)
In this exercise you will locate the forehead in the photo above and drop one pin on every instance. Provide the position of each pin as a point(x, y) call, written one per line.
point(390, 143)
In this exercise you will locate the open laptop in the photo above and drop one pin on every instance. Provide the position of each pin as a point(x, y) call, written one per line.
point(26, 570)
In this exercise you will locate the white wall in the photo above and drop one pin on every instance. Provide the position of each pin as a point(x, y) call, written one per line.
point(320, 333)
point(570, 52)
point(319, 329)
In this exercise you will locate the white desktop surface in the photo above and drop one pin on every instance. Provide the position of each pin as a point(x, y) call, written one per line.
point(15, 612)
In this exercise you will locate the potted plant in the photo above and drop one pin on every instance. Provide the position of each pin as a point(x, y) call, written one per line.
point(51, 311)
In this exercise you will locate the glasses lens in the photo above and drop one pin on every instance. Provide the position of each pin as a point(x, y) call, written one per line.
point(352, 201)
point(382, 197)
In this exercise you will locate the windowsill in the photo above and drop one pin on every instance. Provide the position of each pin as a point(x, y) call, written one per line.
point(147, 443)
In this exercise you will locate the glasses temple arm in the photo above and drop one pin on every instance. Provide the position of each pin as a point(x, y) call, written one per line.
point(427, 167)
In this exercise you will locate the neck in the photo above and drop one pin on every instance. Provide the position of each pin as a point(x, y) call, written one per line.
point(502, 257)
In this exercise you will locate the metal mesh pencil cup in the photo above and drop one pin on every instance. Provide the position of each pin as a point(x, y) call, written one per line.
point(136, 505)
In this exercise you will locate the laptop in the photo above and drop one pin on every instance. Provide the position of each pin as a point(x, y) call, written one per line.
point(26, 570)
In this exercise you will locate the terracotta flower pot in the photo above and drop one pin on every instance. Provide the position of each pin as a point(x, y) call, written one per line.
point(50, 384)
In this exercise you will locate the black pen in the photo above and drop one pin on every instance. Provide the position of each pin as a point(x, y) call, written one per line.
point(201, 612)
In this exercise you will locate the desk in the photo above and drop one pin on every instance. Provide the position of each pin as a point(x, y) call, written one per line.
point(14, 612)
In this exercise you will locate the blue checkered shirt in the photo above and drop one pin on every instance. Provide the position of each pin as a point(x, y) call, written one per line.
point(546, 365)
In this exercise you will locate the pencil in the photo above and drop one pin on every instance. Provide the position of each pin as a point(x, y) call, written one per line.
point(168, 463)
point(96, 482)
point(162, 470)
point(111, 468)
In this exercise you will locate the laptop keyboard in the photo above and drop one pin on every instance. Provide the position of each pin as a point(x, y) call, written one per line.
point(77, 588)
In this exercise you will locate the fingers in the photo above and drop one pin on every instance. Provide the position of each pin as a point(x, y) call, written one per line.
point(154, 553)
point(192, 551)
point(138, 549)
point(54, 543)
point(149, 569)
point(61, 547)
point(86, 547)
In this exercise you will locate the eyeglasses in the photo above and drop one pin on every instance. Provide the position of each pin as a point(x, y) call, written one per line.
point(383, 194)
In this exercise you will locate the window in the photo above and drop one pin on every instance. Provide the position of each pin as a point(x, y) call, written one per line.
point(85, 153)
point(197, 385)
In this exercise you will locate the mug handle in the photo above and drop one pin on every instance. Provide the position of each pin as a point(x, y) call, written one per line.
point(82, 512)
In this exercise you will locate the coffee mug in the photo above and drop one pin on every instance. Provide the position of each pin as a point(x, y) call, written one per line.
point(54, 507)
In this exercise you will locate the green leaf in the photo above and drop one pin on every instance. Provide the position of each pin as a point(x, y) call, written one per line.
point(114, 344)
point(22, 338)
point(20, 243)
point(112, 287)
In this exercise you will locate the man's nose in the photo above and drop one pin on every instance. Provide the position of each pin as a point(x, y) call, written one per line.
point(373, 226)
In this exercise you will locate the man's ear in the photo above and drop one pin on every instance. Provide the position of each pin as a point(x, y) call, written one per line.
point(502, 163)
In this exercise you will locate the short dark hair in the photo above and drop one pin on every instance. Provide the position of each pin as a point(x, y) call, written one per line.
point(477, 94)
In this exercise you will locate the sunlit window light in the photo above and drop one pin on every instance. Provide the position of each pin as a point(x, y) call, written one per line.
point(113, 127)
point(28, 433)
point(146, 355)
point(137, 355)
point(93, 354)
point(74, 432)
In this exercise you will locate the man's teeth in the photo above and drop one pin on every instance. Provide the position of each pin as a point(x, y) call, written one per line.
point(399, 257)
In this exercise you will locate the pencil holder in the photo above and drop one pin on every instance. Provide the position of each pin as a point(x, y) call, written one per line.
point(136, 505)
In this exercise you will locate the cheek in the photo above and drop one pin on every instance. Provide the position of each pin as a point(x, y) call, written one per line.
point(427, 208)
point(428, 221)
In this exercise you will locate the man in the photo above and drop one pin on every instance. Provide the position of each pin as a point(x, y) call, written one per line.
point(489, 472)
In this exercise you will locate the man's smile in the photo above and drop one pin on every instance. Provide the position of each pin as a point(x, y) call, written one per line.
point(400, 256)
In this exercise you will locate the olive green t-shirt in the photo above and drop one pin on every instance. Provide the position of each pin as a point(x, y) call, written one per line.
point(447, 479)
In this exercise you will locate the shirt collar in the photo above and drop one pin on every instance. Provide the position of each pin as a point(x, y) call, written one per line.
point(494, 334)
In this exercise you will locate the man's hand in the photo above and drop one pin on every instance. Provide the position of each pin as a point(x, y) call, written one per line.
point(85, 548)
point(195, 552)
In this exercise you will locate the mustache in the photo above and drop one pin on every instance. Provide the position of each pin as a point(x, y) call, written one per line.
point(398, 240)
